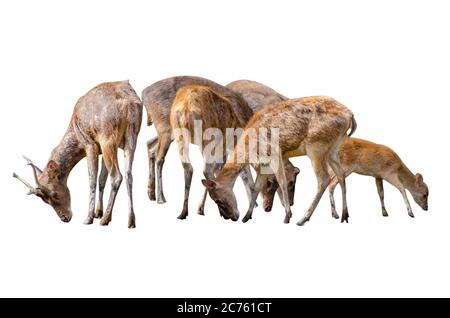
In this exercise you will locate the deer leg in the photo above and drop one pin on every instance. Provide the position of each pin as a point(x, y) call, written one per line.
point(164, 142)
point(397, 183)
point(334, 182)
point(247, 179)
point(323, 179)
point(152, 148)
point(92, 160)
point(183, 150)
point(208, 172)
point(101, 188)
point(333, 161)
point(110, 157)
point(380, 190)
point(129, 157)
point(277, 167)
point(260, 181)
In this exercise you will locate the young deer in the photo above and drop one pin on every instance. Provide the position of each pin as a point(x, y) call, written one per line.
point(158, 99)
point(382, 163)
point(200, 103)
point(257, 96)
point(312, 126)
point(106, 118)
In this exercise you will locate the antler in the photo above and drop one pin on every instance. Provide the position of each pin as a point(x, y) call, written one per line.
point(31, 188)
point(36, 173)
point(36, 170)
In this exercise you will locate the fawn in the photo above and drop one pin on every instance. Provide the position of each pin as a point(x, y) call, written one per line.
point(107, 117)
point(311, 126)
point(378, 161)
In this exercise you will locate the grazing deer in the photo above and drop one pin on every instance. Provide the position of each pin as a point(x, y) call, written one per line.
point(257, 96)
point(106, 118)
point(158, 99)
point(201, 105)
point(312, 126)
point(378, 161)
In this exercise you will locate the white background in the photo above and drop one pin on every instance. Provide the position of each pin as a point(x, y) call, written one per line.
point(388, 61)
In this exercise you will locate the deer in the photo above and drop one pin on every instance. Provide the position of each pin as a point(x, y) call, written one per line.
point(313, 126)
point(106, 118)
point(257, 96)
point(382, 163)
point(200, 105)
point(158, 99)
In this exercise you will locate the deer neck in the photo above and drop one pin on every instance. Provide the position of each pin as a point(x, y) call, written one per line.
point(68, 153)
point(407, 178)
point(228, 175)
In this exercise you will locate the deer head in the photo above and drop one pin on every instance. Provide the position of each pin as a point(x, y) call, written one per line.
point(420, 192)
point(271, 186)
point(224, 198)
point(50, 188)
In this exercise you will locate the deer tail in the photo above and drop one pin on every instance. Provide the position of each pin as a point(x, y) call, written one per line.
point(353, 126)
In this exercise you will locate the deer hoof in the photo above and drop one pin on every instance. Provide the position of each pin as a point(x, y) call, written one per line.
point(411, 214)
point(246, 218)
point(385, 214)
point(105, 219)
point(161, 200)
point(182, 216)
point(98, 213)
point(132, 222)
point(201, 211)
point(151, 195)
point(302, 221)
point(287, 219)
point(88, 221)
point(335, 215)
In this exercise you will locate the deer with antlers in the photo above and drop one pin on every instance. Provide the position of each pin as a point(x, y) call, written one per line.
point(257, 96)
point(106, 118)
point(311, 126)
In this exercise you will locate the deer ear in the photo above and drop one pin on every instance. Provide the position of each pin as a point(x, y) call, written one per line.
point(52, 169)
point(209, 184)
point(419, 179)
point(296, 171)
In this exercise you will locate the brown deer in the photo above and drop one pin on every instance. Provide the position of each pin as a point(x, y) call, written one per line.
point(200, 105)
point(378, 161)
point(257, 96)
point(106, 118)
point(312, 126)
point(158, 99)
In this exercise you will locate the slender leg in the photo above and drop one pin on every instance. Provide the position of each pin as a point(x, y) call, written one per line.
point(334, 182)
point(246, 176)
point(101, 188)
point(152, 148)
point(333, 161)
point(280, 174)
point(164, 142)
point(129, 157)
point(397, 183)
point(92, 160)
point(380, 189)
point(110, 156)
point(405, 198)
point(323, 179)
point(183, 149)
point(260, 181)
point(208, 172)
